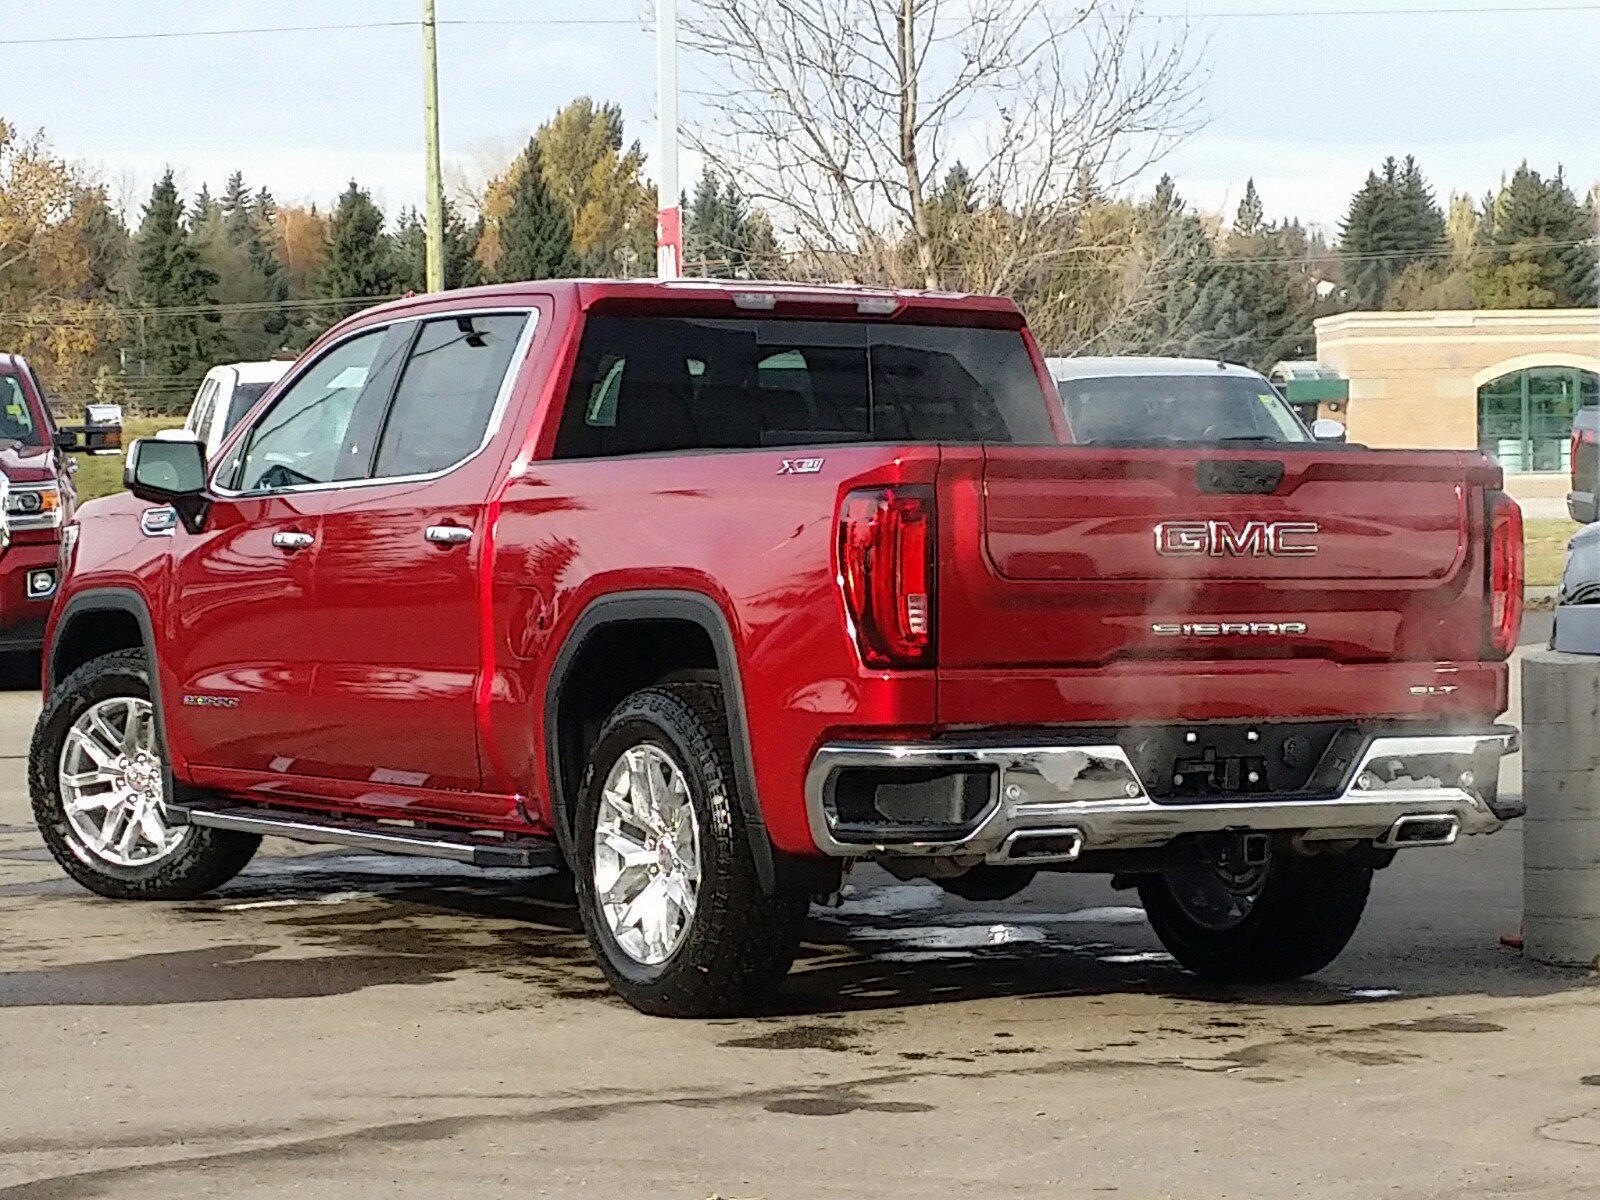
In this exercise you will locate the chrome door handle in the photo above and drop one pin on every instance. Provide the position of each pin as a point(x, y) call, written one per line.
point(447, 535)
point(292, 541)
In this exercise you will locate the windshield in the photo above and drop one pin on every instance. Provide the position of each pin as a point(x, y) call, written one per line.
point(1162, 409)
point(241, 402)
point(16, 417)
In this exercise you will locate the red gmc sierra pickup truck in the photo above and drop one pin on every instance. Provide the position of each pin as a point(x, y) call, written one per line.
point(37, 496)
point(707, 591)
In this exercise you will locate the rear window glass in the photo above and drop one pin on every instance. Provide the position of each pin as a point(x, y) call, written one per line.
point(241, 402)
point(1162, 409)
point(651, 384)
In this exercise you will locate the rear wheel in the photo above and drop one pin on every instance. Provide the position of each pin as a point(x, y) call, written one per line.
point(1259, 923)
point(667, 886)
point(97, 776)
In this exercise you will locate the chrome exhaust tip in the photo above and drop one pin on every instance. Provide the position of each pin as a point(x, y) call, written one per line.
point(1030, 847)
point(1439, 830)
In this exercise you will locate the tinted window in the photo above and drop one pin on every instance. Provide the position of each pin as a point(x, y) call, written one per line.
point(447, 393)
point(16, 415)
point(241, 402)
point(298, 440)
point(1162, 409)
point(645, 384)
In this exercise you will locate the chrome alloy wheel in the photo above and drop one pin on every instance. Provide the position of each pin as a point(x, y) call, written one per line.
point(647, 854)
point(112, 784)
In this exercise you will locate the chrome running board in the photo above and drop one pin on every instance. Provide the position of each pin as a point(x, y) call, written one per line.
point(477, 849)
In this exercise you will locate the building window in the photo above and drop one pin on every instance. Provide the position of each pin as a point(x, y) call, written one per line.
point(1525, 418)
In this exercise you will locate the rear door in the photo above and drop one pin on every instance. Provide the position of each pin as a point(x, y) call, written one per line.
point(1087, 556)
point(394, 628)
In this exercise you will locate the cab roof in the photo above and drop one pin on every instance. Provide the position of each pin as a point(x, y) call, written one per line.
point(735, 295)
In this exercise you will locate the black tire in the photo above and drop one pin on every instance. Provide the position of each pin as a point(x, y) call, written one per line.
point(205, 859)
point(741, 940)
point(1303, 916)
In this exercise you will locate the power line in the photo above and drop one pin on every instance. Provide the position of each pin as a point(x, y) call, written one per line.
point(1443, 10)
point(166, 34)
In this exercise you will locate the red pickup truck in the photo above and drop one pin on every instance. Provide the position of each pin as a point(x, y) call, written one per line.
point(37, 497)
point(707, 591)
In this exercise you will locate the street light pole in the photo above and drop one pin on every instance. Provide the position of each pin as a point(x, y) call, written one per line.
point(430, 116)
point(669, 216)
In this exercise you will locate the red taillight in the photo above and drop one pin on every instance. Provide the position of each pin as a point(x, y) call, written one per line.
point(886, 568)
point(1580, 437)
point(1505, 573)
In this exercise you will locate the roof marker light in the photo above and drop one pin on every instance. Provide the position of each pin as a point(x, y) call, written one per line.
point(878, 306)
point(756, 301)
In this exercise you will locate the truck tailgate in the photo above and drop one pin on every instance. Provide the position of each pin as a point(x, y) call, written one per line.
point(1074, 557)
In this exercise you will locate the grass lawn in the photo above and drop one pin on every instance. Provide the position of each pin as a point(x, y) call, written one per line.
point(100, 475)
point(1546, 541)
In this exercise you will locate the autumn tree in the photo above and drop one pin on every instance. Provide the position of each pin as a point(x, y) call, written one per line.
point(600, 182)
point(61, 251)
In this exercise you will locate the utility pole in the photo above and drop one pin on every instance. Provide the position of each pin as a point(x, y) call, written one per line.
point(669, 216)
point(430, 118)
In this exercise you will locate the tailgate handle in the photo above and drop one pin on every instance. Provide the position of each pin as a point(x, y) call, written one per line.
point(1238, 477)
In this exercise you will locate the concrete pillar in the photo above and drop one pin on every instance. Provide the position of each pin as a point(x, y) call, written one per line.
point(1561, 783)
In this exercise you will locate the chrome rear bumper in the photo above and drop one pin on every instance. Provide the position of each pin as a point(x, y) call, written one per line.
point(1405, 790)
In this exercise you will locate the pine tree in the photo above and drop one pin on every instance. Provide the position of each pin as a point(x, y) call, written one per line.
point(1536, 247)
point(724, 237)
point(178, 338)
point(359, 268)
point(1393, 222)
point(536, 234)
point(461, 268)
point(1251, 217)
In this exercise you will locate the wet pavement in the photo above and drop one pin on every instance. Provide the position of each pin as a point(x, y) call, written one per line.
point(343, 1024)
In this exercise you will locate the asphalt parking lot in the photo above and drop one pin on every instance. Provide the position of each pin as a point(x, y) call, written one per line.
point(341, 1024)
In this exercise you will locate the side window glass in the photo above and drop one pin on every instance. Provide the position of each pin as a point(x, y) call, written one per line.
point(298, 440)
point(447, 393)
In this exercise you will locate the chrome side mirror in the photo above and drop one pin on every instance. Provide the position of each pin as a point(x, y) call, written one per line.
point(170, 472)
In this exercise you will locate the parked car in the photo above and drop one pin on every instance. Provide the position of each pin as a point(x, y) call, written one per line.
point(39, 497)
point(226, 394)
point(1575, 627)
point(1585, 463)
point(1173, 400)
point(710, 590)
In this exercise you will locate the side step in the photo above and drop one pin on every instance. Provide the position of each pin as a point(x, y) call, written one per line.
point(480, 850)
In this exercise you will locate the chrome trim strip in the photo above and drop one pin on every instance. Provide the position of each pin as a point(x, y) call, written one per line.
point(1095, 790)
point(502, 401)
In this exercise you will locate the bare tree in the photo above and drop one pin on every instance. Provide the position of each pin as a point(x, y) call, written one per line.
point(845, 119)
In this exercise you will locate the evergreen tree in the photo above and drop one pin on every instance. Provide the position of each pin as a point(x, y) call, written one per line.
point(1537, 247)
point(1175, 260)
point(536, 234)
point(177, 337)
point(359, 267)
point(1251, 217)
point(237, 244)
point(724, 238)
point(1392, 222)
point(461, 268)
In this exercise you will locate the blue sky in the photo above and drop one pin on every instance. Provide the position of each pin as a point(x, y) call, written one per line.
point(1304, 104)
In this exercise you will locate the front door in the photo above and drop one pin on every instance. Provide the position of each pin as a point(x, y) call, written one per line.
point(240, 591)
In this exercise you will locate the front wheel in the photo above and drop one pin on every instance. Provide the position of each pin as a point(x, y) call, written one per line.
point(1263, 923)
point(97, 777)
point(667, 886)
